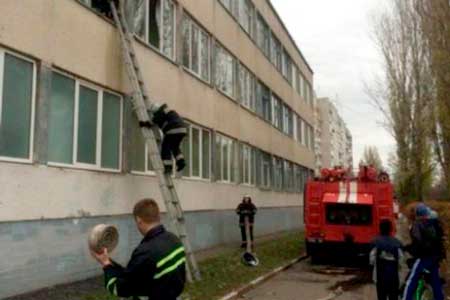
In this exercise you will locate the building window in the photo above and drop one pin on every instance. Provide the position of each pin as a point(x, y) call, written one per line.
point(300, 130)
point(17, 92)
point(263, 103)
point(246, 88)
point(266, 170)
point(288, 178)
point(288, 121)
point(246, 15)
point(298, 86)
point(263, 35)
point(84, 125)
point(276, 52)
point(196, 148)
point(287, 66)
point(226, 159)
point(154, 22)
point(248, 165)
point(278, 173)
point(311, 137)
point(196, 49)
point(225, 75)
point(229, 5)
point(277, 109)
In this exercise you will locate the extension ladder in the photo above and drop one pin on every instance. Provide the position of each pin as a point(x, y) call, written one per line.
point(152, 137)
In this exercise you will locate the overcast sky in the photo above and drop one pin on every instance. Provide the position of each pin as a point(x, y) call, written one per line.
point(335, 38)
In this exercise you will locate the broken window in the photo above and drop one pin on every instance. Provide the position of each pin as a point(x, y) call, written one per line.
point(17, 79)
point(154, 22)
point(196, 44)
point(84, 125)
point(225, 74)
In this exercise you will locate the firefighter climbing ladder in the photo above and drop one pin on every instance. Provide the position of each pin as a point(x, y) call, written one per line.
point(140, 96)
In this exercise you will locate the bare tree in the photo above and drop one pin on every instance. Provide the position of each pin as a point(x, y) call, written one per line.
point(371, 157)
point(404, 95)
point(435, 24)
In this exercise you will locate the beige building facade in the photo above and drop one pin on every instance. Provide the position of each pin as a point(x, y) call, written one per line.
point(333, 140)
point(70, 152)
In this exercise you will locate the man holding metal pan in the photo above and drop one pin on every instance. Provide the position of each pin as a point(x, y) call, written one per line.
point(156, 269)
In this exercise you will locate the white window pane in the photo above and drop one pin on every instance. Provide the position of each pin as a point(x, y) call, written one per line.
point(61, 119)
point(225, 72)
point(87, 126)
point(111, 131)
point(15, 126)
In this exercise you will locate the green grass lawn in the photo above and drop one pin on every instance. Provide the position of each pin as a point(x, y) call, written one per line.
point(225, 272)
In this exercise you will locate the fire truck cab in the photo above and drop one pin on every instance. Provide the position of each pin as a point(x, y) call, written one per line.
point(342, 212)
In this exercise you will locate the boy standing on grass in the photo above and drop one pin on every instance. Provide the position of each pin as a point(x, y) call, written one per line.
point(385, 257)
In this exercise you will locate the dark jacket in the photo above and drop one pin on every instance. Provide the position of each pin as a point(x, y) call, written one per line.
point(427, 239)
point(156, 269)
point(386, 256)
point(246, 210)
point(168, 120)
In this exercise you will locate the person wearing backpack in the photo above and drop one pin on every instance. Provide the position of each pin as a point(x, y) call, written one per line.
point(426, 247)
point(385, 258)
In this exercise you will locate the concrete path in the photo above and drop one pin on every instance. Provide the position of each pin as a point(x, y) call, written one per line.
point(305, 281)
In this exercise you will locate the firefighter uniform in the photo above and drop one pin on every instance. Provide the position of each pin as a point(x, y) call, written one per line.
point(156, 269)
point(246, 209)
point(174, 129)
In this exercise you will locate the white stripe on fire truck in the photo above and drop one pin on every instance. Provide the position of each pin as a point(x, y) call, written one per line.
point(342, 192)
point(353, 192)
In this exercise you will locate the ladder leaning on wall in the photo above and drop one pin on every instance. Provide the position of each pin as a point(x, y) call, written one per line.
point(152, 137)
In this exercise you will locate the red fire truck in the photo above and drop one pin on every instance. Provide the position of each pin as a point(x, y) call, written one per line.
point(342, 212)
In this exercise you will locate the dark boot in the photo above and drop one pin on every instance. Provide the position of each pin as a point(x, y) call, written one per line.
point(181, 164)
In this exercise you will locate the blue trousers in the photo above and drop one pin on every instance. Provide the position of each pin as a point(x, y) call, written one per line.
point(421, 264)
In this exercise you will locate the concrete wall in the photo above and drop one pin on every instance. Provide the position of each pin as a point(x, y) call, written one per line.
point(47, 252)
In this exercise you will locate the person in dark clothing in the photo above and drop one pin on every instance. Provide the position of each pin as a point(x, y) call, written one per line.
point(174, 129)
point(156, 269)
point(246, 209)
point(426, 247)
point(385, 257)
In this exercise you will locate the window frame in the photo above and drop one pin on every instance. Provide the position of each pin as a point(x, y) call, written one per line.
point(3, 52)
point(235, 62)
point(98, 151)
point(200, 149)
point(201, 30)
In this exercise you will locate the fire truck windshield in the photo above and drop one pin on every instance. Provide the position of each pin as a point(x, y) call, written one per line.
point(349, 214)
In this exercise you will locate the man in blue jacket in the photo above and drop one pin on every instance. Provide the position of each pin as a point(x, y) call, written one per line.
point(426, 247)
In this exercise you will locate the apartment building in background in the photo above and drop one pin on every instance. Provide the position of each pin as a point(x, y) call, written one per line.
point(71, 155)
point(333, 140)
